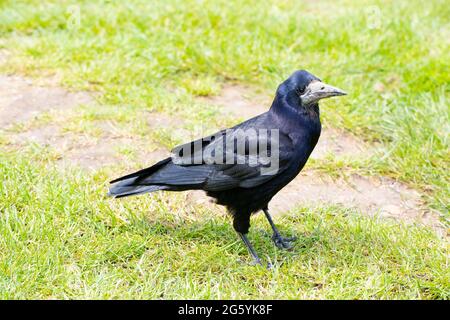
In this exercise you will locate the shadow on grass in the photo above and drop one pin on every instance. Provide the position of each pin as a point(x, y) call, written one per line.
point(218, 232)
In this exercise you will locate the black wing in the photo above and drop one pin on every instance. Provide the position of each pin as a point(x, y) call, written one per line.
point(229, 159)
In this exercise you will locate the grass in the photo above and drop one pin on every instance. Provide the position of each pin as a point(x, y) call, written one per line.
point(60, 238)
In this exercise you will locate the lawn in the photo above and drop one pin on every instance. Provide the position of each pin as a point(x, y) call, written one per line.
point(60, 237)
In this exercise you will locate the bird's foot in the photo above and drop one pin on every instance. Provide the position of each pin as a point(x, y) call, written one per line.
point(256, 262)
point(283, 242)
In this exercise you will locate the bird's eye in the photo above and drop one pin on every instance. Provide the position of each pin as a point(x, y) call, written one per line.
point(300, 90)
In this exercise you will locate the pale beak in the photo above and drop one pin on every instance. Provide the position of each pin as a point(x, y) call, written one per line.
point(317, 90)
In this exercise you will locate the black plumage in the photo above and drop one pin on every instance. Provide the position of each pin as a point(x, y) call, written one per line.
point(241, 186)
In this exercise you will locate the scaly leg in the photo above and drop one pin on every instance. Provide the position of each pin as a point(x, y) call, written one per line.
point(249, 246)
point(280, 242)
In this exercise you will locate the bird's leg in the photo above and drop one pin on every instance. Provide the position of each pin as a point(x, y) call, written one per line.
point(280, 242)
point(249, 246)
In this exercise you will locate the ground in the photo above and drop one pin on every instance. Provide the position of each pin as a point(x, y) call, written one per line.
point(370, 207)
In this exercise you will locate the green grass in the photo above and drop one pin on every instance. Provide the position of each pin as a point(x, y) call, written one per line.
point(136, 53)
point(59, 236)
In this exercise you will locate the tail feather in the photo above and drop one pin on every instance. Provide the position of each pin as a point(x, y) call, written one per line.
point(130, 184)
point(144, 172)
point(130, 190)
point(164, 175)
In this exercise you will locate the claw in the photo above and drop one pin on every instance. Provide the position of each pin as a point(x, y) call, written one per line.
point(282, 242)
point(256, 262)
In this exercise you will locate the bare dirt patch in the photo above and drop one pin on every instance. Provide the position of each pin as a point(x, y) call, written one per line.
point(157, 120)
point(47, 135)
point(21, 100)
point(374, 196)
point(339, 144)
point(4, 55)
point(240, 101)
point(92, 153)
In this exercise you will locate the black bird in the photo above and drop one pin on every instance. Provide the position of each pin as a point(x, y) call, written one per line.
point(244, 177)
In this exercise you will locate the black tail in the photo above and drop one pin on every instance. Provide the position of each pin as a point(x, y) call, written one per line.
point(129, 185)
point(144, 172)
point(165, 175)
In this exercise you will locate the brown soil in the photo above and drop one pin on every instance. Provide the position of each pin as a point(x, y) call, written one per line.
point(375, 196)
point(20, 100)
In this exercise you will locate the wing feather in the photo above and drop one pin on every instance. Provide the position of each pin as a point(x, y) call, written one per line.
point(219, 164)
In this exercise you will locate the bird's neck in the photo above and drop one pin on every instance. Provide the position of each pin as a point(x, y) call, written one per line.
point(290, 112)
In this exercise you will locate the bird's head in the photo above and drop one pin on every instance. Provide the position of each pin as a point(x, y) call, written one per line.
point(307, 89)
